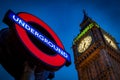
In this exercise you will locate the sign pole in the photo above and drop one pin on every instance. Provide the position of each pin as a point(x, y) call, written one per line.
point(28, 72)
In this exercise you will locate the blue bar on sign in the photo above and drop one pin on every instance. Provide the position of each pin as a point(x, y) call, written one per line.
point(39, 35)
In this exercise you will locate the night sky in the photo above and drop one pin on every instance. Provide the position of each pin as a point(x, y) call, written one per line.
point(64, 17)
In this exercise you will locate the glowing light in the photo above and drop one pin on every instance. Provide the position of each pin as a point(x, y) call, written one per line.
point(22, 26)
point(84, 44)
point(85, 30)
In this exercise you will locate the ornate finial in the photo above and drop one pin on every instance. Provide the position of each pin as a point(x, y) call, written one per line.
point(85, 14)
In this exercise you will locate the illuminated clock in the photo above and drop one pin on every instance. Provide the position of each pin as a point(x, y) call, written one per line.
point(84, 44)
point(110, 41)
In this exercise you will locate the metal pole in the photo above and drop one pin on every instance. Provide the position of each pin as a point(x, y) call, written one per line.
point(28, 73)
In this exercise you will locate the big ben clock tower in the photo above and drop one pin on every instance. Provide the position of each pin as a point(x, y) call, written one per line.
point(96, 54)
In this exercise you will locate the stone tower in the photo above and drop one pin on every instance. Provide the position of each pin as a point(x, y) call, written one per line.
point(96, 53)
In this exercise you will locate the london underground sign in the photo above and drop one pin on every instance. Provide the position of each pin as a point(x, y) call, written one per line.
point(22, 27)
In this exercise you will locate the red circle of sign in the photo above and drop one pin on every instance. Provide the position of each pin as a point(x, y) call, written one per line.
point(56, 60)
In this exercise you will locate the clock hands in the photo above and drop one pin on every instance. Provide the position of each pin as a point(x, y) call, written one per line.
point(109, 42)
point(84, 44)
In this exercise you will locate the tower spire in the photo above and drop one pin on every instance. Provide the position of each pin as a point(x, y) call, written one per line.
point(85, 14)
point(86, 20)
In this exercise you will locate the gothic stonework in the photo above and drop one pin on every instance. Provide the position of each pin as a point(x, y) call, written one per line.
point(97, 58)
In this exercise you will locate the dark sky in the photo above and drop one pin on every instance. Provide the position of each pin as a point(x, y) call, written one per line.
point(64, 17)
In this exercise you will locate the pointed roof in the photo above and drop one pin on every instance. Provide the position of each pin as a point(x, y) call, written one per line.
point(85, 15)
point(86, 20)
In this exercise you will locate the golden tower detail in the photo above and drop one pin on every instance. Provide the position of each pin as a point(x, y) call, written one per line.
point(96, 53)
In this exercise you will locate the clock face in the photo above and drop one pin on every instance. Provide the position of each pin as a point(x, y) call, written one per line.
point(84, 44)
point(110, 41)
